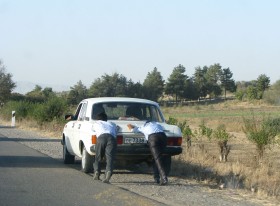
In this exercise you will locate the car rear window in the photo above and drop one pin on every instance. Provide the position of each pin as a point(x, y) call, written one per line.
point(128, 111)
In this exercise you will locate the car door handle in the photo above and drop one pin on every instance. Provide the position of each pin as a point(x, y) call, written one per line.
point(79, 126)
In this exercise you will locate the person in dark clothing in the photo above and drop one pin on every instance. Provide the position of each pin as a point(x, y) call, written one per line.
point(157, 141)
point(106, 133)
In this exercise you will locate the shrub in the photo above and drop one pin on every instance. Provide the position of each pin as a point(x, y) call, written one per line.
point(240, 95)
point(172, 120)
point(23, 109)
point(185, 129)
point(261, 132)
point(205, 131)
point(271, 95)
point(252, 92)
point(221, 134)
point(53, 109)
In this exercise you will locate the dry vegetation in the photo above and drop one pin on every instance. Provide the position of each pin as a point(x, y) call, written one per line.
point(242, 170)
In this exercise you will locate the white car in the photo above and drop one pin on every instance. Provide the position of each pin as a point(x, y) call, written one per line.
point(78, 138)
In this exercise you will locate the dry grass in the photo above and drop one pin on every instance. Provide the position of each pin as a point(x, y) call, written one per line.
point(242, 170)
point(50, 130)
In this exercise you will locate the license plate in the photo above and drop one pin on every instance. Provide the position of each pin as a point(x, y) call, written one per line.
point(134, 140)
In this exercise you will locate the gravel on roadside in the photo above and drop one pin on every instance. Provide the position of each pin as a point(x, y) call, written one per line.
point(179, 191)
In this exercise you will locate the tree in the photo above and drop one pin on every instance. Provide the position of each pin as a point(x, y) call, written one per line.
point(109, 86)
point(176, 82)
point(153, 85)
point(6, 84)
point(135, 90)
point(262, 84)
point(77, 93)
point(227, 82)
point(48, 92)
point(200, 81)
point(212, 76)
point(38, 94)
point(191, 92)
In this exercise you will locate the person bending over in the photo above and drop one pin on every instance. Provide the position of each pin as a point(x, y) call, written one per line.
point(157, 141)
point(106, 133)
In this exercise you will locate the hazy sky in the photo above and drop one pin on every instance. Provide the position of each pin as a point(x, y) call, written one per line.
point(63, 41)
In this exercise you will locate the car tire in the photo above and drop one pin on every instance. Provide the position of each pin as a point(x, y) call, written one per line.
point(87, 161)
point(67, 157)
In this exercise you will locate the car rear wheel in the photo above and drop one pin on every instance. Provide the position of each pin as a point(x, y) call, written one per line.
point(67, 157)
point(87, 161)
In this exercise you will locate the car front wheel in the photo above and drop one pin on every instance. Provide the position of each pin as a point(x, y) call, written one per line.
point(87, 161)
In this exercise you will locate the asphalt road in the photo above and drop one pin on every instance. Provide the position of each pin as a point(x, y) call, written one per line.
point(28, 177)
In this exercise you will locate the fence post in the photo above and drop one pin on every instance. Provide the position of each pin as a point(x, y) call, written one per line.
point(13, 124)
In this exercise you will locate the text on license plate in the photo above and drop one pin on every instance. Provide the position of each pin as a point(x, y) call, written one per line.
point(134, 140)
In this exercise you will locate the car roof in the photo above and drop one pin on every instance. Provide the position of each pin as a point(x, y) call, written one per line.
point(119, 99)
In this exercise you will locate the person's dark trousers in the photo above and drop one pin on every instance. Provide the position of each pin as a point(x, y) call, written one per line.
point(157, 143)
point(106, 146)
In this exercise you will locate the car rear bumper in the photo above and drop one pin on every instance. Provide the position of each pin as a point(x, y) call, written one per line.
point(124, 150)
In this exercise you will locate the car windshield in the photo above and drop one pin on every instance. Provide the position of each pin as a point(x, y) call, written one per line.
point(128, 111)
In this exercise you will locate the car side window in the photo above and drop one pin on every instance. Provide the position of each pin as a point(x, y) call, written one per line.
point(77, 112)
point(82, 113)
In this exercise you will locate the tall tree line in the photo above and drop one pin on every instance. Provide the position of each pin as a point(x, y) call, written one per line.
point(207, 81)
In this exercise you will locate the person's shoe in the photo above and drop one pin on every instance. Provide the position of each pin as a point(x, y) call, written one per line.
point(96, 176)
point(107, 177)
point(164, 181)
point(157, 180)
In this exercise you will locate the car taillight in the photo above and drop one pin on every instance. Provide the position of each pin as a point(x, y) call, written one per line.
point(119, 139)
point(174, 141)
point(93, 139)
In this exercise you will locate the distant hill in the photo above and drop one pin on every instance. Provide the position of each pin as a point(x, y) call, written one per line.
point(24, 87)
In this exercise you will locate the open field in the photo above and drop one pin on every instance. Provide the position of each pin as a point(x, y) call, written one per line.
point(229, 113)
point(201, 160)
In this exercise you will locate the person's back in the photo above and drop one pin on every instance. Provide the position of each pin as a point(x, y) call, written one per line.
point(157, 140)
point(101, 127)
point(106, 145)
point(149, 128)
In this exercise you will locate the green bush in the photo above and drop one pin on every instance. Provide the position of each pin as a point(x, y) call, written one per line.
point(205, 131)
point(252, 92)
point(172, 120)
point(22, 108)
point(272, 95)
point(221, 134)
point(53, 109)
point(261, 132)
point(185, 128)
point(240, 94)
